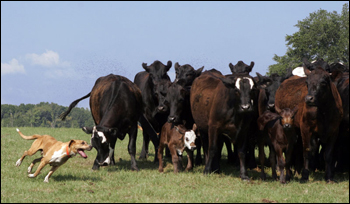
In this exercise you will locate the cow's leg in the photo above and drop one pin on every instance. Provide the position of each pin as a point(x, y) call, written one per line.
point(242, 149)
point(132, 146)
point(306, 154)
point(288, 155)
point(212, 150)
point(280, 163)
point(198, 155)
point(328, 156)
point(160, 157)
point(230, 155)
point(273, 162)
point(189, 160)
point(262, 159)
point(146, 139)
point(111, 150)
point(175, 158)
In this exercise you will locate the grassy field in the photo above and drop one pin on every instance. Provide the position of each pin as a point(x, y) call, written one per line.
point(76, 182)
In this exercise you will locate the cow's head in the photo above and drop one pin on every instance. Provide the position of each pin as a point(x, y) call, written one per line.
point(270, 84)
point(287, 117)
point(177, 99)
point(318, 84)
point(187, 73)
point(157, 70)
point(100, 140)
point(245, 90)
point(160, 92)
point(241, 67)
point(188, 136)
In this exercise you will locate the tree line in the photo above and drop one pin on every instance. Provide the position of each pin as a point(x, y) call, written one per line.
point(44, 114)
point(321, 35)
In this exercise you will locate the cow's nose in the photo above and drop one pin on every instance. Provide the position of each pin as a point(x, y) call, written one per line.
point(193, 148)
point(287, 126)
point(171, 119)
point(160, 108)
point(309, 98)
point(245, 107)
point(271, 105)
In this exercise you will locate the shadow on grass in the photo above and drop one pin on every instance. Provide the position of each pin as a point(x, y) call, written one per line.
point(71, 177)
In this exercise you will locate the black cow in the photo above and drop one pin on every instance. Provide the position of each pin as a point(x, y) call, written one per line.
point(185, 74)
point(152, 119)
point(116, 106)
point(223, 106)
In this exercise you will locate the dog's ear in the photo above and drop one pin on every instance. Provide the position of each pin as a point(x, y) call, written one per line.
point(71, 142)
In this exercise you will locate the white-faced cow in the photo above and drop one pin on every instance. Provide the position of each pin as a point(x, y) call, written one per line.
point(223, 106)
point(116, 106)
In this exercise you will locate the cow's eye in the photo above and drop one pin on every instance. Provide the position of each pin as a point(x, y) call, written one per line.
point(187, 139)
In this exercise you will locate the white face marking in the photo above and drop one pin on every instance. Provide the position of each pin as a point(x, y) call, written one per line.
point(189, 138)
point(251, 83)
point(99, 133)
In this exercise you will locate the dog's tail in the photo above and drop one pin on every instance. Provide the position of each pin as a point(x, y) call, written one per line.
point(33, 137)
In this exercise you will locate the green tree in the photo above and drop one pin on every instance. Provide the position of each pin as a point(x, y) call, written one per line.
point(321, 35)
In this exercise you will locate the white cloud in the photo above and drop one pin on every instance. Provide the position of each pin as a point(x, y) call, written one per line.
point(12, 67)
point(47, 59)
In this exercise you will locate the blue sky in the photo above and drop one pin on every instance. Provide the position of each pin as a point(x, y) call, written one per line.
point(55, 51)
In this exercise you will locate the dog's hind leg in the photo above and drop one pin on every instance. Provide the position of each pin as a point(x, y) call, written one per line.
point(53, 169)
point(33, 163)
point(33, 149)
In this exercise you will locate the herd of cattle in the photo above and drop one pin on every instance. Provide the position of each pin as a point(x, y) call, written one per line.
point(294, 115)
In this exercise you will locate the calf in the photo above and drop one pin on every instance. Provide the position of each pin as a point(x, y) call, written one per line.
point(178, 139)
point(279, 134)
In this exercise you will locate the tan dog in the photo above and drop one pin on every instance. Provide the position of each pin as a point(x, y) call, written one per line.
point(53, 152)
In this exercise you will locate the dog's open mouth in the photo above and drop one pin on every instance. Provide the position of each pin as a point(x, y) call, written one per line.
point(82, 153)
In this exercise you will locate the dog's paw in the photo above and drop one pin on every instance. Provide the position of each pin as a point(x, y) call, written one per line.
point(18, 162)
point(46, 180)
point(29, 170)
point(31, 175)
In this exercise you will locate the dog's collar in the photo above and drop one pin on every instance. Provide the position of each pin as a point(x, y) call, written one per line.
point(67, 151)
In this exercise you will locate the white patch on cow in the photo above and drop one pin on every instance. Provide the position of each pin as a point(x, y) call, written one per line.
point(251, 83)
point(99, 133)
point(299, 71)
point(58, 155)
point(189, 138)
point(179, 152)
point(107, 161)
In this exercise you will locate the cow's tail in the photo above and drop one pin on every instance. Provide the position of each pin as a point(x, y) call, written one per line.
point(33, 137)
point(72, 105)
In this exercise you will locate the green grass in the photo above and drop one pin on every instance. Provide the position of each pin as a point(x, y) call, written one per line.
point(76, 182)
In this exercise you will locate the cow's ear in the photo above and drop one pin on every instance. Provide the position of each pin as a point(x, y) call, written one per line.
point(168, 66)
point(194, 128)
point(199, 71)
point(177, 66)
point(250, 67)
point(228, 82)
point(87, 130)
point(336, 75)
point(232, 68)
point(144, 65)
point(306, 70)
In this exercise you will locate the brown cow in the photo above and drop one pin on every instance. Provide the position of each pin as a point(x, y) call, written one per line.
point(319, 112)
point(279, 134)
point(223, 106)
point(178, 139)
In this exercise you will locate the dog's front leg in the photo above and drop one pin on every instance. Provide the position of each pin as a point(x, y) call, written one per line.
point(41, 165)
point(33, 163)
point(53, 169)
